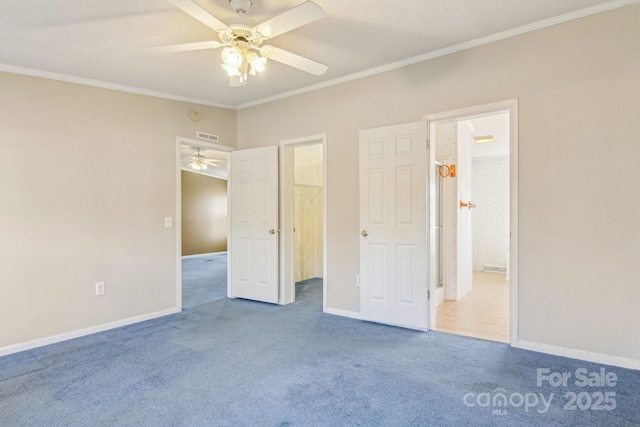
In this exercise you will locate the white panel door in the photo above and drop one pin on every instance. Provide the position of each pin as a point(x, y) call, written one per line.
point(393, 223)
point(253, 251)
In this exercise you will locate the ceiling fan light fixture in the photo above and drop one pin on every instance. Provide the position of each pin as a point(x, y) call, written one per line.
point(198, 165)
point(243, 53)
point(232, 71)
point(483, 139)
point(257, 63)
point(232, 57)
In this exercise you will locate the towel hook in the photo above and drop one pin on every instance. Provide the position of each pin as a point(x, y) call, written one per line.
point(466, 205)
point(447, 170)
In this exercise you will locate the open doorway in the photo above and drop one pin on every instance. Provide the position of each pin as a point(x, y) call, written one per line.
point(473, 206)
point(203, 222)
point(303, 219)
point(307, 219)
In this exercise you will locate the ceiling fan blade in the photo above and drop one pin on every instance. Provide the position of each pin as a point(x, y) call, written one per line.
point(184, 47)
point(297, 17)
point(212, 162)
point(194, 158)
point(293, 60)
point(190, 8)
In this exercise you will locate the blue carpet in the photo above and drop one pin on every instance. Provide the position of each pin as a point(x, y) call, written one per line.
point(243, 363)
point(204, 279)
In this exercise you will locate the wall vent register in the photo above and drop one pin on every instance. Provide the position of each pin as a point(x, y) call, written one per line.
point(207, 137)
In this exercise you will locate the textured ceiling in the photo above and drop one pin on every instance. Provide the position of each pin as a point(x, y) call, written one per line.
point(102, 40)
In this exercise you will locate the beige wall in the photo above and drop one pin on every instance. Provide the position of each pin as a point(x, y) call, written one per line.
point(80, 202)
point(204, 214)
point(578, 86)
point(87, 177)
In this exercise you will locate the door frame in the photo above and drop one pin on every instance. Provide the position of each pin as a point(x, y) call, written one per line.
point(180, 140)
point(512, 107)
point(287, 276)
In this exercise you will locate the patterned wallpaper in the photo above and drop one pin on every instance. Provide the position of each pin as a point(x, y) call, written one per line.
point(490, 187)
point(478, 237)
point(446, 142)
point(464, 178)
point(453, 146)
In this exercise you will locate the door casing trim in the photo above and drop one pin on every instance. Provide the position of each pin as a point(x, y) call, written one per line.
point(512, 107)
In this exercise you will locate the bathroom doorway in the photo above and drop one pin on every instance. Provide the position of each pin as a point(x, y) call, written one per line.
point(472, 227)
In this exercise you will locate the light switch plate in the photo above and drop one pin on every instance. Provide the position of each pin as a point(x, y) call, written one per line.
point(101, 288)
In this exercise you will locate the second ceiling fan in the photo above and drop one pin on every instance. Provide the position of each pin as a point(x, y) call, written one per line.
point(243, 53)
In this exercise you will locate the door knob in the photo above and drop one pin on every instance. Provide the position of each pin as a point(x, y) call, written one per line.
point(364, 233)
point(272, 231)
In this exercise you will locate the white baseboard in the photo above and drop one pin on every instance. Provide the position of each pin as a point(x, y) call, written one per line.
point(606, 359)
point(343, 313)
point(203, 255)
point(16, 348)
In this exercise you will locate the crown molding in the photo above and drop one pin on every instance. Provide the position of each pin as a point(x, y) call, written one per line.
point(604, 7)
point(106, 85)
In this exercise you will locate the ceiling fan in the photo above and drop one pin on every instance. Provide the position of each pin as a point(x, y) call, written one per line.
point(243, 53)
point(199, 162)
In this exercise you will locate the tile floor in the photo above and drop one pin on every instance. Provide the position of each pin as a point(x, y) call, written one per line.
point(482, 313)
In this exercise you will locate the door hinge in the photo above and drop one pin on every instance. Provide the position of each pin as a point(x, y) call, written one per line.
point(428, 294)
point(428, 144)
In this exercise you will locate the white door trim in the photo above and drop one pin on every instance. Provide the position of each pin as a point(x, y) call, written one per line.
point(287, 278)
point(511, 106)
point(181, 140)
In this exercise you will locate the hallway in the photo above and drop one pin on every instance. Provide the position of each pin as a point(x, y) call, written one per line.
point(204, 279)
